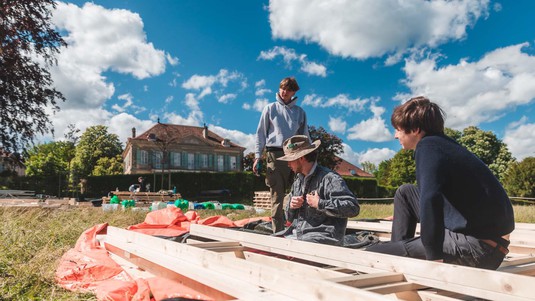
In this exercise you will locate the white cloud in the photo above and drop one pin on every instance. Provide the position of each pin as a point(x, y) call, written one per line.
point(197, 82)
point(337, 125)
point(208, 84)
point(373, 129)
point(260, 103)
point(520, 139)
point(340, 101)
point(227, 98)
point(100, 40)
point(240, 138)
point(363, 29)
point(476, 92)
point(374, 155)
point(172, 60)
point(289, 56)
point(261, 92)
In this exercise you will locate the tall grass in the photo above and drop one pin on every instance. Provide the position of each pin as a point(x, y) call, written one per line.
point(32, 241)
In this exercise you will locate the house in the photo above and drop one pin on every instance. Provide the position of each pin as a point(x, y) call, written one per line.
point(182, 148)
point(345, 168)
point(11, 163)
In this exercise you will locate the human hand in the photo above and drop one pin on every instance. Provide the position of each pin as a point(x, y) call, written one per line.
point(296, 202)
point(313, 199)
point(255, 164)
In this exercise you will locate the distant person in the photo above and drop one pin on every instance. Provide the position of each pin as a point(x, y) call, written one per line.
point(320, 201)
point(279, 121)
point(83, 189)
point(464, 213)
point(142, 184)
point(133, 188)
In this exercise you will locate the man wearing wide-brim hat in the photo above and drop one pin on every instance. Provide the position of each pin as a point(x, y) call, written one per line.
point(320, 201)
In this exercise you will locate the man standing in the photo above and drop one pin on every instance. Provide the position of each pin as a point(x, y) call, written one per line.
point(279, 121)
point(464, 213)
point(320, 201)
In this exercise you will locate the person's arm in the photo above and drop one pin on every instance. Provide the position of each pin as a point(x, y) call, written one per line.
point(261, 134)
point(430, 172)
point(335, 198)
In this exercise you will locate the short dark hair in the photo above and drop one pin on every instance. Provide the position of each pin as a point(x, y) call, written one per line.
point(311, 157)
point(418, 113)
point(289, 83)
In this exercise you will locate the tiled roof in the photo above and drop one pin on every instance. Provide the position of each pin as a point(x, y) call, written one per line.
point(176, 132)
point(344, 168)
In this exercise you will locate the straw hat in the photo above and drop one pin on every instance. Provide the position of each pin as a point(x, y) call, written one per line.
point(297, 146)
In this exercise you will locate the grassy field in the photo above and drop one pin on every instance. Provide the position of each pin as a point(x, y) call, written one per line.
point(33, 240)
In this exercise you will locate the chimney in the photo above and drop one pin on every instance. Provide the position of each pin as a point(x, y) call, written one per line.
point(133, 132)
point(205, 131)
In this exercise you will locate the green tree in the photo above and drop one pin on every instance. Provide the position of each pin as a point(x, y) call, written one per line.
point(454, 134)
point(369, 167)
point(26, 87)
point(109, 166)
point(383, 173)
point(487, 147)
point(331, 146)
point(95, 143)
point(519, 179)
point(401, 169)
point(50, 159)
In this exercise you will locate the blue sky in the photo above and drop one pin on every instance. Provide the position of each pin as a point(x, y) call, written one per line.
point(192, 62)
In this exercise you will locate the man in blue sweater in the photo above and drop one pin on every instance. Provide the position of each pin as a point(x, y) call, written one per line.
point(280, 120)
point(464, 213)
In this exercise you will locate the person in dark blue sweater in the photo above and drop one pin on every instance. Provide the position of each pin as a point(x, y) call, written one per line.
point(464, 213)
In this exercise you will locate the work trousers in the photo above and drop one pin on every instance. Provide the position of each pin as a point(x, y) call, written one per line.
point(278, 180)
point(458, 248)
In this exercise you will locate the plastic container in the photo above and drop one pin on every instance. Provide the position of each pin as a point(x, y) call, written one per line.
point(158, 205)
point(110, 207)
point(208, 205)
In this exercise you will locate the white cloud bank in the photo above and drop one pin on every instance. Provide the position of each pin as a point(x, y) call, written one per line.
point(362, 29)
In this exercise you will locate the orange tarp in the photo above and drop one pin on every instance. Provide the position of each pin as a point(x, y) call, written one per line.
point(88, 267)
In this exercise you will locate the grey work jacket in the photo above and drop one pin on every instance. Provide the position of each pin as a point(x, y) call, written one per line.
point(326, 224)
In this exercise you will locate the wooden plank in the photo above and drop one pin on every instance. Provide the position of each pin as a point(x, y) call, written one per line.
point(373, 279)
point(198, 277)
point(294, 267)
point(493, 285)
point(287, 285)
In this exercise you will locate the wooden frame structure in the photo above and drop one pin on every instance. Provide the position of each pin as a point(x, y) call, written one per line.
point(228, 264)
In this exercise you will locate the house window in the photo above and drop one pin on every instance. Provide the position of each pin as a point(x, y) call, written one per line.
point(220, 163)
point(143, 157)
point(158, 159)
point(191, 161)
point(204, 160)
point(233, 165)
point(175, 159)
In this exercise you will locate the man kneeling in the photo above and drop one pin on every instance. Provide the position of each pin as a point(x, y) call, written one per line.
point(320, 201)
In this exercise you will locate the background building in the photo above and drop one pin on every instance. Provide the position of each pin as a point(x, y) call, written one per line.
point(173, 148)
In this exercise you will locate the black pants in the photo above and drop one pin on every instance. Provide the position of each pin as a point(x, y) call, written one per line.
point(458, 248)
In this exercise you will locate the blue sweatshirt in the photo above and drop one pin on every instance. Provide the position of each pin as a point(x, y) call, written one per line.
point(457, 192)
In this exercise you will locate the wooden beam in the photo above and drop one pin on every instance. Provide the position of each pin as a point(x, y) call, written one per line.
point(195, 263)
point(479, 283)
point(204, 280)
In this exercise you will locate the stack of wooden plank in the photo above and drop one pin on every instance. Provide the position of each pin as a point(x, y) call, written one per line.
point(262, 200)
point(143, 197)
point(227, 264)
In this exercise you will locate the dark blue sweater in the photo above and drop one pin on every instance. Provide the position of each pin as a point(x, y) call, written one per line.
point(457, 192)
